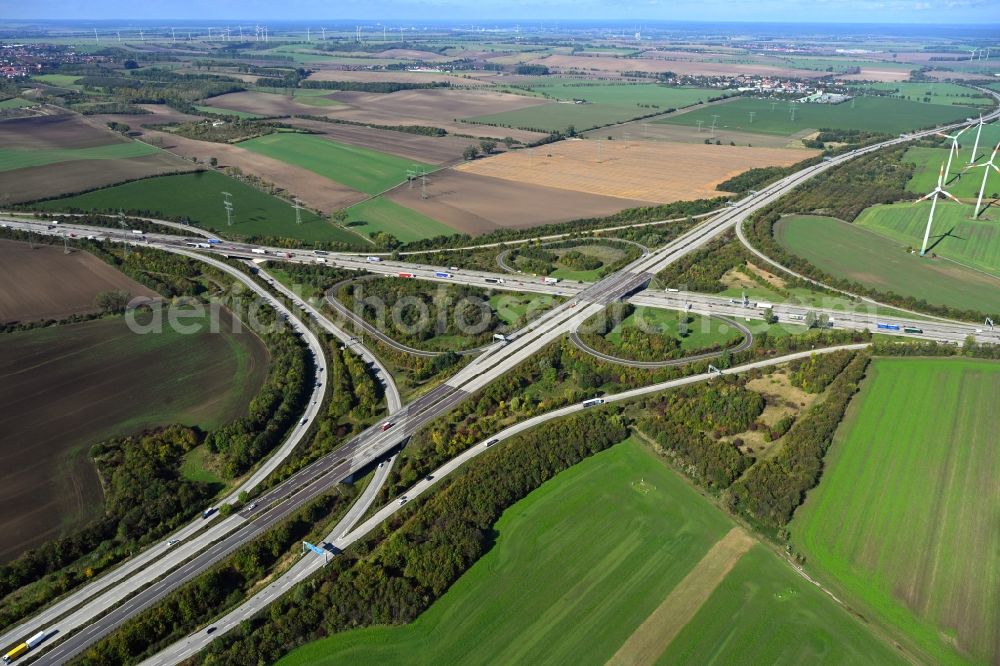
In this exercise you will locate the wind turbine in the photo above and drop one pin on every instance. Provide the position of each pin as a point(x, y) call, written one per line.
point(986, 172)
point(933, 196)
point(954, 146)
point(975, 146)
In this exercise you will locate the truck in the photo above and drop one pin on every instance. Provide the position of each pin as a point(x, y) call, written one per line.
point(593, 402)
point(37, 639)
point(258, 250)
point(214, 241)
point(137, 232)
point(493, 280)
point(208, 512)
point(320, 253)
point(15, 652)
point(912, 329)
point(551, 280)
point(373, 260)
point(500, 337)
point(797, 317)
point(441, 274)
point(882, 326)
point(765, 306)
point(320, 260)
point(406, 275)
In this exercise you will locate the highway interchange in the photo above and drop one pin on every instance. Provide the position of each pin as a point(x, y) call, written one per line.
point(96, 609)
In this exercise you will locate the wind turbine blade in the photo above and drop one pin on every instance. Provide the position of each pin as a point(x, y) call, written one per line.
point(940, 177)
point(950, 196)
point(925, 197)
point(994, 153)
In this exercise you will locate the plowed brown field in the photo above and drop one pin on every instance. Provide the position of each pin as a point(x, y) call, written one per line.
point(44, 283)
point(476, 204)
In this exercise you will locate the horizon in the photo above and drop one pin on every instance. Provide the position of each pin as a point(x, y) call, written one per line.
point(972, 13)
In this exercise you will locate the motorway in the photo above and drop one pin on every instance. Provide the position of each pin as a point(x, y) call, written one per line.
point(308, 564)
point(69, 613)
point(369, 446)
point(82, 605)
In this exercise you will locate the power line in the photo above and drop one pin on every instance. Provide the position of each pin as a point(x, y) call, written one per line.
point(228, 205)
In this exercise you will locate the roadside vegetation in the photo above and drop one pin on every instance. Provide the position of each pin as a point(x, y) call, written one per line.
point(844, 192)
point(654, 334)
point(146, 493)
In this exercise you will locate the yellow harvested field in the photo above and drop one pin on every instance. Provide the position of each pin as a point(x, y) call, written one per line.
point(659, 171)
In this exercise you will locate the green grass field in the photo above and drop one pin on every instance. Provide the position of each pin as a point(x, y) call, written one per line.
point(764, 613)
point(906, 518)
point(960, 183)
point(606, 104)
point(624, 95)
point(879, 114)
point(704, 331)
point(365, 170)
point(608, 254)
point(406, 224)
point(840, 64)
point(584, 560)
point(16, 103)
point(61, 80)
point(20, 158)
point(933, 93)
point(852, 252)
point(511, 306)
point(954, 235)
point(197, 197)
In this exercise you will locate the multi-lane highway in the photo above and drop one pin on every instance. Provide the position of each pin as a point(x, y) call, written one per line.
point(310, 563)
point(584, 301)
point(70, 612)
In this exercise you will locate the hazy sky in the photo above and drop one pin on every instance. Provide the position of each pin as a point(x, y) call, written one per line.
point(971, 12)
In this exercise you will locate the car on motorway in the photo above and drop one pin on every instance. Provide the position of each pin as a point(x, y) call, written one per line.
point(429, 477)
point(253, 505)
point(172, 542)
point(403, 500)
point(210, 630)
point(304, 420)
point(491, 443)
point(385, 426)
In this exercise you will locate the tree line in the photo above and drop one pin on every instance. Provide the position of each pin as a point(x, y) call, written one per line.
point(771, 490)
point(146, 495)
point(432, 314)
point(394, 580)
point(224, 586)
point(844, 191)
point(677, 209)
point(559, 375)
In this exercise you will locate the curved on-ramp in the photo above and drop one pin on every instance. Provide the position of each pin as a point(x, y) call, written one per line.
point(743, 345)
point(184, 648)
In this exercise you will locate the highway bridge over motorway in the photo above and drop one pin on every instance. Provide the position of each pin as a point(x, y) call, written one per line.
point(99, 607)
